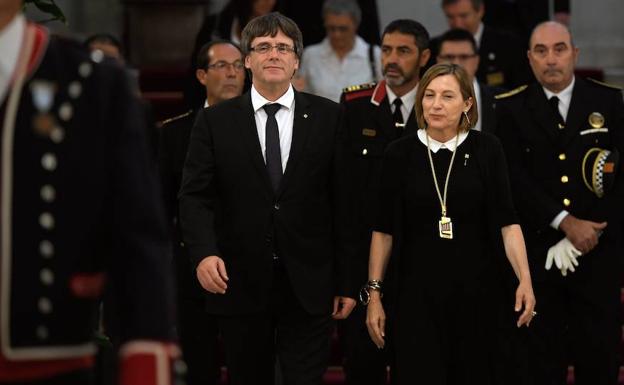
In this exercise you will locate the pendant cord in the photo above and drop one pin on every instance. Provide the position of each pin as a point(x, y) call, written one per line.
point(448, 173)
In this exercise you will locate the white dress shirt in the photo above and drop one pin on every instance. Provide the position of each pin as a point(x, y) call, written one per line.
point(285, 120)
point(11, 38)
point(327, 75)
point(407, 102)
point(477, 91)
point(565, 97)
point(478, 35)
point(435, 146)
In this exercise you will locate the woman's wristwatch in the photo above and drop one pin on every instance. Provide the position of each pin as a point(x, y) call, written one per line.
point(373, 284)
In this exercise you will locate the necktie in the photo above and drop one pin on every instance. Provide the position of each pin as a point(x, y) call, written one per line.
point(397, 116)
point(554, 105)
point(273, 153)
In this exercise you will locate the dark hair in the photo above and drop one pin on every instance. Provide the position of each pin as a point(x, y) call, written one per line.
point(270, 25)
point(343, 7)
point(476, 4)
point(202, 60)
point(104, 38)
point(465, 87)
point(241, 10)
point(409, 27)
point(457, 34)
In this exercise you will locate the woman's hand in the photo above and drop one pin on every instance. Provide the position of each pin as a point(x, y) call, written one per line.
point(376, 320)
point(525, 298)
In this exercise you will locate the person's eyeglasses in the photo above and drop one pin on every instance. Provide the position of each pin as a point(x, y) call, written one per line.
point(336, 28)
point(264, 48)
point(223, 66)
point(452, 58)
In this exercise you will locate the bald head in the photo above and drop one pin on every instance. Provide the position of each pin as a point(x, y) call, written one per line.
point(552, 55)
point(550, 28)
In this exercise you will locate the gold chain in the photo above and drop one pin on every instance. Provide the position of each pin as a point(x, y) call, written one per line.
point(448, 174)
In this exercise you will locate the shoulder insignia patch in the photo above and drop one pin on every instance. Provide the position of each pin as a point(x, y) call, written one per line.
point(184, 115)
point(513, 92)
point(612, 86)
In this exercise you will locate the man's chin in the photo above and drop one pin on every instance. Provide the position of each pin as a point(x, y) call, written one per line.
point(395, 82)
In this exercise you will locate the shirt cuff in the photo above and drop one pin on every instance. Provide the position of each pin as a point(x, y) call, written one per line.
point(557, 221)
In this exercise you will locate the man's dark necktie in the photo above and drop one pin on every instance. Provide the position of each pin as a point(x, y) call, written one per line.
point(397, 116)
point(554, 105)
point(273, 153)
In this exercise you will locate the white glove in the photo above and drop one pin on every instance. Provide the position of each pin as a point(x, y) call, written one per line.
point(564, 254)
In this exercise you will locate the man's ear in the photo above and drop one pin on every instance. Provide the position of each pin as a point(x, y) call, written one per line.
point(201, 76)
point(424, 57)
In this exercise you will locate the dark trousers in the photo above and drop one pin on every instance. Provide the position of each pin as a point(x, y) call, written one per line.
point(285, 330)
point(364, 363)
point(578, 323)
point(198, 332)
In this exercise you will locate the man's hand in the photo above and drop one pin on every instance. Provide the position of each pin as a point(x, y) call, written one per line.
point(583, 234)
point(212, 275)
point(343, 307)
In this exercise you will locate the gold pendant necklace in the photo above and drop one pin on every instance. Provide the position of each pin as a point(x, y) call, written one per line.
point(445, 224)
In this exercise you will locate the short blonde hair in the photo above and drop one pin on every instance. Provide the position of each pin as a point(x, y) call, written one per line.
point(465, 87)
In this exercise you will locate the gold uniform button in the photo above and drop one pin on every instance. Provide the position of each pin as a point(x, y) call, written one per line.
point(364, 151)
point(566, 202)
point(564, 179)
point(562, 156)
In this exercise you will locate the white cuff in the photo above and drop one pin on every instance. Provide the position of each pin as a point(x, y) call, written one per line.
point(557, 221)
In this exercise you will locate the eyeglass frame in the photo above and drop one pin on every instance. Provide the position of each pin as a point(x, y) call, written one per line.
point(282, 49)
point(461, 58)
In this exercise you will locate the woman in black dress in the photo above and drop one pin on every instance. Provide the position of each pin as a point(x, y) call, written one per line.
point(445, 201)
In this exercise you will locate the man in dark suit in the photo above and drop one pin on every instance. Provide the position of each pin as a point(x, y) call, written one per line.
point(502, 62)
point(81, 215)
point(458, 46)
point(258, 215)
point(220, 70)
point(372, 116)
point(553, 131)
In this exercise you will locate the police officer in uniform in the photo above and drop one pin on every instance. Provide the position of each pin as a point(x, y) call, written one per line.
point(220, 70)
point(373, 115)
point(79, 209)
point(562, 137)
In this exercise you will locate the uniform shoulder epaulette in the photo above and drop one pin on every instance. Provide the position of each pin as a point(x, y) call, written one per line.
point(359, 87)
point(513, 92)
point(184, 115)
point(612, 86)
point(359, 91)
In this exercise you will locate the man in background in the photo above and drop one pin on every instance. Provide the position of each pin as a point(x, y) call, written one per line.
point(221, 72)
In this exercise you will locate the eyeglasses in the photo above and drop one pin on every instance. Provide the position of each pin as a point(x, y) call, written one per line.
point(451, 58)
point(336, 28)
point(264, 48)
point(223, 66)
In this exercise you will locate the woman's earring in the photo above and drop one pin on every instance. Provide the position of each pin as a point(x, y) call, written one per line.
point(467, 119)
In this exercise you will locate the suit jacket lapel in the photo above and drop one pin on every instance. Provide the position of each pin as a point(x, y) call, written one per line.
point(301, 129)
point(249, 134)
point(411, 126)
point(384, 122)
point(542, 114)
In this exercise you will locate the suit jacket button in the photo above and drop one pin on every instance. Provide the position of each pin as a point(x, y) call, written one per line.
point(276, 206)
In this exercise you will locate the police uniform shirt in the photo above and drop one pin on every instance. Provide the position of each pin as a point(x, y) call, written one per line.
point(407, 101)
point(477, 91)
point(326, 75)
point(10, 42)
point(565, 96)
